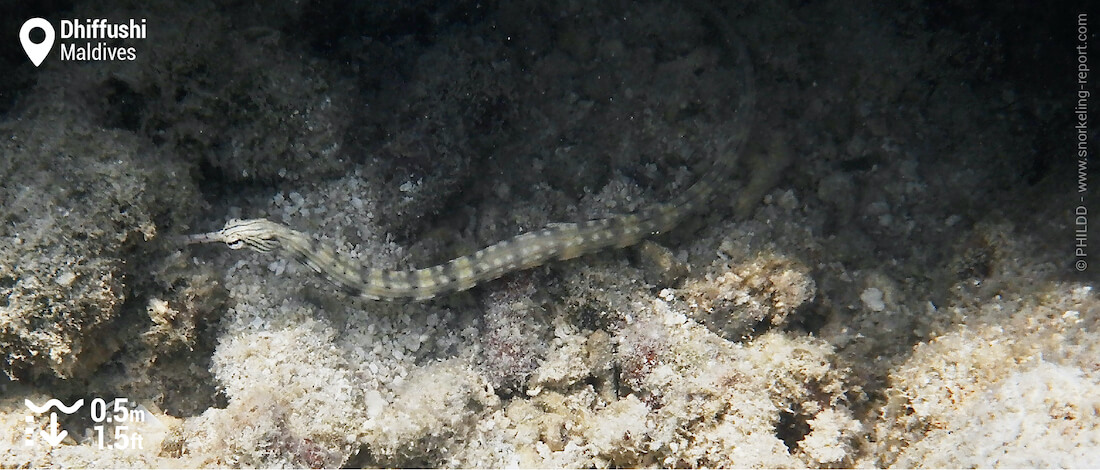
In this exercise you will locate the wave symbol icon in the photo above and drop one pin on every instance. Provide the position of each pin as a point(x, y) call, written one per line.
point(53, 402)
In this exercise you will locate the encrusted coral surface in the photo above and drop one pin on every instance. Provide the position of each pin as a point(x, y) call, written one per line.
point(885, 281)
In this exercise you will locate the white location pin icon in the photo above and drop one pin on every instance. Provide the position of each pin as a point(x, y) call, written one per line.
point(36, 52)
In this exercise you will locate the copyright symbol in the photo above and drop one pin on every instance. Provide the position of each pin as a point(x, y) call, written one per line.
point(1081, 265)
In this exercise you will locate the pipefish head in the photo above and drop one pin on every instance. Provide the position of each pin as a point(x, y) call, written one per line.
point(258, 234)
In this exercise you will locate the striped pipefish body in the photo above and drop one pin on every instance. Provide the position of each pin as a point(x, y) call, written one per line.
point(557, 242)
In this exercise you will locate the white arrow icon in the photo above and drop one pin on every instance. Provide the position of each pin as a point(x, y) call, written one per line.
point(53, 437)
point(37, 52)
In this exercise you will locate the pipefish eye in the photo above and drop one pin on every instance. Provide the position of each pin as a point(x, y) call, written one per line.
point(235, 244)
